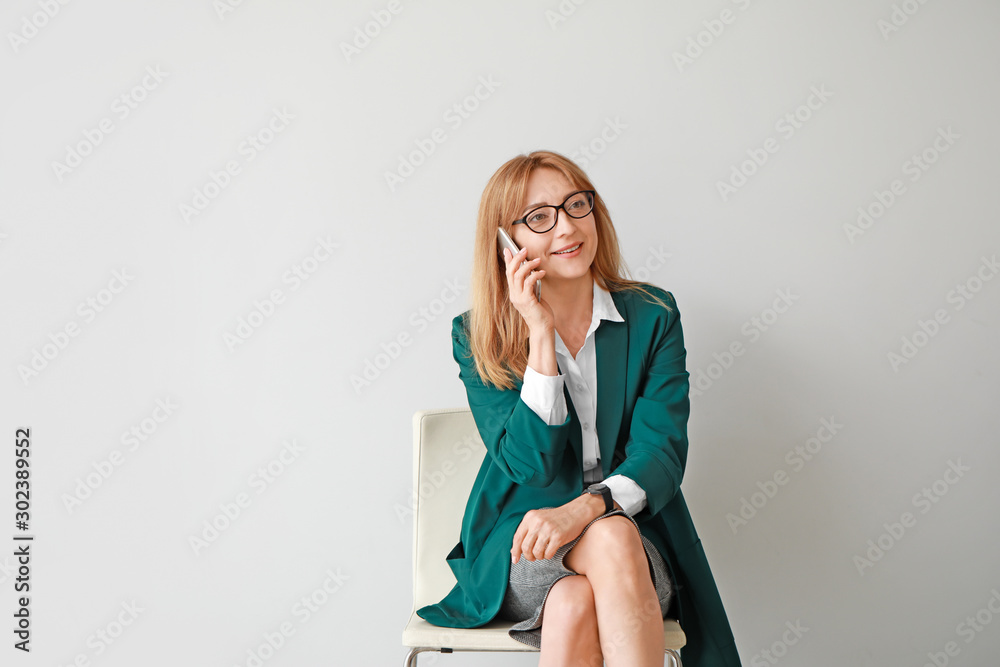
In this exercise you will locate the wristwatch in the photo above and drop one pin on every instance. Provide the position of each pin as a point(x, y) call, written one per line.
point(602, 490)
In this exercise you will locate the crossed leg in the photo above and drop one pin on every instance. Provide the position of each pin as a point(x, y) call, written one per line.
point(611, 611)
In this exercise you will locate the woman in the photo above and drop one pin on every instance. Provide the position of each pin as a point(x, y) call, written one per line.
point(576, 527)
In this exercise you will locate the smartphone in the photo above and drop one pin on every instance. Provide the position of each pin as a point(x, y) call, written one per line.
point(507, 242)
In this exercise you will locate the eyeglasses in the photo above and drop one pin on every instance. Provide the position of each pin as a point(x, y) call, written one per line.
point(542, 219)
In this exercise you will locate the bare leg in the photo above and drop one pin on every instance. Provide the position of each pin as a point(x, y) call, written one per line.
point(611, 556)
point(569, 626)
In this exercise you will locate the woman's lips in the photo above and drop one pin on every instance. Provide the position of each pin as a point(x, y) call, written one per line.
point(570, 254)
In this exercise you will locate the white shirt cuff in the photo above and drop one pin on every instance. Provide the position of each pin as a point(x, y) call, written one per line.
point(544, 395)
point(626, 493)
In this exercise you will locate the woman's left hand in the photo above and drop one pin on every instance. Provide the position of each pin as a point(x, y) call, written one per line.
point(543, 531)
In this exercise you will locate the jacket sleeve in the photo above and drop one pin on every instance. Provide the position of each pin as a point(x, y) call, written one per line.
point(523, 446)
point(656, 450)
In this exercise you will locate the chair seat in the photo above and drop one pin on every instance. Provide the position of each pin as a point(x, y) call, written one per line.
point(490, 637)
point(493, 636)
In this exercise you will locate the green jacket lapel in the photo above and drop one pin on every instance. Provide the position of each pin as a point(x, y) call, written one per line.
point(611, 341)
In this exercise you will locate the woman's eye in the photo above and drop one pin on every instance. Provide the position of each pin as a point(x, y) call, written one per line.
point(538, 217)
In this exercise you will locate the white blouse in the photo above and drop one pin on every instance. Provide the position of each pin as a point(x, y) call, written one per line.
point(544, 395)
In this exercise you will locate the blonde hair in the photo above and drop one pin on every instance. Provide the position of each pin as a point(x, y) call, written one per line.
point(498, 334)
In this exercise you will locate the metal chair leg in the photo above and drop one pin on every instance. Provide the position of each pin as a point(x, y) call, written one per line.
point(411, 657)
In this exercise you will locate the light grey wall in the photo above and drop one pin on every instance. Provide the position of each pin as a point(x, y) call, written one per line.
point(661, 103)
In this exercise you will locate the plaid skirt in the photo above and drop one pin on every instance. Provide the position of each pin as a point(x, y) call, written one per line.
point(530, 582)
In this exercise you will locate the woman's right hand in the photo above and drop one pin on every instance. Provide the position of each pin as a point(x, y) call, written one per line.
point(521, 288)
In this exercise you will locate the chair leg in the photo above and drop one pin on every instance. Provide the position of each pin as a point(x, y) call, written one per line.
point(675, 658)
point(411, 657)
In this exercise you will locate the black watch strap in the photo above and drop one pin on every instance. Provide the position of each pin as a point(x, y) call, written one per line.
point(603, 491)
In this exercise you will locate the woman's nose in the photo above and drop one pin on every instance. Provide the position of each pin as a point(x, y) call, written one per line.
point(561, 219)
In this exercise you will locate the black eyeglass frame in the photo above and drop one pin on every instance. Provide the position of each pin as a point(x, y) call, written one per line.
point(555, 216)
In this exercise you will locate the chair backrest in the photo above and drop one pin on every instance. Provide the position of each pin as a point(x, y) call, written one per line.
point(447, 455)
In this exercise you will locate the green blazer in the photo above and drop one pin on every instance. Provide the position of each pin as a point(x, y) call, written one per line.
point(642, 413)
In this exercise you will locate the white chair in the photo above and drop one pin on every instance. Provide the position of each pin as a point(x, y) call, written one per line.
point(447, 453)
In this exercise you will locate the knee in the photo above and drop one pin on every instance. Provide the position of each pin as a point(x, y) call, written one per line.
point(617, 538)
point(617, 551)
point(570, 604)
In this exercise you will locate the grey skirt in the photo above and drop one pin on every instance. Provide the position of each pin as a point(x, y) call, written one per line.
point(530, 582)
